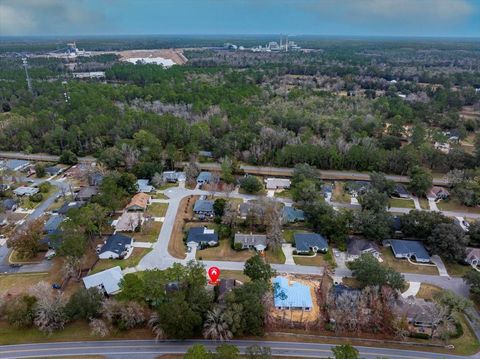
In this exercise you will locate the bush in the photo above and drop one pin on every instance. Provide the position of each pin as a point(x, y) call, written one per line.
point(37, 197)
point(238, 246)
point(40, 170)
point(251, 184)
point(44, 187)
point(458, 331)
point(20, 311)
point(419, 335)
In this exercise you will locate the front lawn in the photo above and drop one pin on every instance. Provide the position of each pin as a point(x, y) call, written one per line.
point(455, 206)
point(223, 252)
point(132, 261)
point(18, 283)
point(401, 203)
point(423, 203)
point(148, 234)
point(403, 266)
point(318, 260)
point(457, 269)
point(428, 291)
point(274, 256)
point(157, 209)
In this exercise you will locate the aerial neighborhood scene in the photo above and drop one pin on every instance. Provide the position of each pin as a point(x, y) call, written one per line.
point(240, 179)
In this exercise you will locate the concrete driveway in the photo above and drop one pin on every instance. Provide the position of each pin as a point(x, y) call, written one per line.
point(288, 252)
point(442, 270)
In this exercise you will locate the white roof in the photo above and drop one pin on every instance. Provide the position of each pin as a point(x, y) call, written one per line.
point(109, 279)
point(273, 183)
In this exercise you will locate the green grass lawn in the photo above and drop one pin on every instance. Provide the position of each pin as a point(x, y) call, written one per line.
point(423, 203)
point(131, 261)
point(403, 266)
point(455, 206)
point(286, 193)
point(159, 195)
point(318, 260)
point(457, 269)
point(167, 186)
point(401, 203)
point(468, 343)
point(157, 209)
point(275, 256)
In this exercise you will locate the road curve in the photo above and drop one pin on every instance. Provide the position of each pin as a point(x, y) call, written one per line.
point(152, 349)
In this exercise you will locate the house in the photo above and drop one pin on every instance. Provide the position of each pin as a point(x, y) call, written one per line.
point(52, 240)
point(205, 177)
point(16, 165)
point(438, 193)
point(128, 222)
point(244, 209)
point(327, 189)
point(292, 215)
point(277, 183)
point(358, 187)
point(206, 154)
point(473, 256)
point(9, 204)
point(173, 176)
point(226, 286)
point(86, 193)
point(95, 179)
point(25, 191)
point(290, 295)
point(418, 312)
point(202, 237)
point(442, 146)
point(413, 250)
point(139, 202)
point(203, 207)
point(358, 246)
point(4, 187)
point(400, 191)
point(53, 223)
point(53, 171)
point(116, 246)
point(248, 241)
point(68, 206)
point(108, 280)
point(143, 186)
point(306, 242)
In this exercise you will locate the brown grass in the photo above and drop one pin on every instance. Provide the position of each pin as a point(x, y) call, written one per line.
point(318, 260)
point(428, 291)
point(132, 261)
point(224, 252)
point(157, 209)
point(176, 247)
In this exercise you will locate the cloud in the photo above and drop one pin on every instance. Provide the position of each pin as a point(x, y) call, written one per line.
point(20, 17)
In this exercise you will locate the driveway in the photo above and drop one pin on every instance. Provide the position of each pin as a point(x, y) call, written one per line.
point(442, 270)
point(412, 290)
point(288, 252)
point(432, 204)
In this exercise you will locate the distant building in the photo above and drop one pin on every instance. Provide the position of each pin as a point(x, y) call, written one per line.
point(358, 246)
point(277, 183)
point(53, 171)
point(25, 191)
point(108, 281)
point(144, 186)
point(292, 214)
point(413, 250)
point(205, 177)
point(116, 246)
point(306, 242)
point(206, 154)
point(248, 241)
point(139, 202)
point(202, 237)
point(290, 295)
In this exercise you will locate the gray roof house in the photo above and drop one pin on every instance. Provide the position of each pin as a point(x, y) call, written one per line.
point(202, 236)
point(53, 223)
point(244, 209)
point(53, 170)
point(25, 191)
point(413, 250)
point(86, 193)
point(292, 215)
point(358, 246)
point(204, 177)
point(173, 176)
point(108, 280)
point(203, 207)
point(143, 186)
point(9, 204)
point(277, 183)
point(247, 241)
point(400, 191)
point(116, 246)
point(472, 257)
point(16, 165)
point(306, 242)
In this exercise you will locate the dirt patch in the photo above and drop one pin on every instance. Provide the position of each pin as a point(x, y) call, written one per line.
point(172, 54)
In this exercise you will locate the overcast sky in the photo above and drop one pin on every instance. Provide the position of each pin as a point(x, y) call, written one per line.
point(323, 17)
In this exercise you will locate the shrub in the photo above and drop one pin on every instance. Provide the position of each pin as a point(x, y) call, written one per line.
point(44, 187)
point(238, 246)
point(419, 335)
point(251, 184)
point(37, 197)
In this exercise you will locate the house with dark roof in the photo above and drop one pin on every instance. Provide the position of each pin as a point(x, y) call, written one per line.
point(86, 193)
point(202, 237)
point(244, 209)
point(116, 246)
point(173, 176)
point(95, 179)
point(408, 249)
point(68, 206)
point(53, 170)
point(203, 207)
point(400, 191)
point(358, 246)
point(52, 224)
point(310, 242)
point(9, 204)
point(438, 193)
point(205, 177)
point(396, 226)
point(16, 165)
point(248, 241)
point(292, 215)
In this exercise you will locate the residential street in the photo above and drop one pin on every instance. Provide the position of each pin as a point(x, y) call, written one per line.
point(142, 349)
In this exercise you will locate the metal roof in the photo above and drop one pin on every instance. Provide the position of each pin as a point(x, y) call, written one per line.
point(305, 241)
point(292, 214)
point(291, 294)
point(203, 206)
point(108, 279)
point(116, 243)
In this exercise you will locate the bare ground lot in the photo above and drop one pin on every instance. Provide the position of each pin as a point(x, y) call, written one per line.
point(172, 54)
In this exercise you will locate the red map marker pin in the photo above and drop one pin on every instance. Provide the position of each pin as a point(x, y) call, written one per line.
point(214, 274)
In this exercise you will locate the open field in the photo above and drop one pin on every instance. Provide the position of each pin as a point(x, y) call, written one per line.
point(403, 266)
point(149, 232)
point(18, 283)
point(457, 269)
point(224, 252)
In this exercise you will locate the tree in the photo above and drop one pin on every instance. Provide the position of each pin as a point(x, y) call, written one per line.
point(381, 183)
point(84, 304)
point(26, 241)
point(375, 225)
point(304, 191)
point(216, 326)
point(68, 158)
point(258, 352)
point(227, 171)
point(99, 328)
point(125, 315)
point(219, 206)
point(449, 241)
point(304, 171)
point(49, 308)
point(374, 201)
point(345, 352)
point(369, 272)
point(420, 224)
point(474, 233)
point(256, 269)
point(251, 184)
point(19, 311)
point(227, 351)
point(197, 351)
point(133, 288)
point(40, 170)
point(472, 278)
point(420, 180)
point(44, 187)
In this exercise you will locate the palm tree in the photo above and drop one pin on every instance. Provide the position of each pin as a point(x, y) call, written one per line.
point(154, 324)
point(216, 327)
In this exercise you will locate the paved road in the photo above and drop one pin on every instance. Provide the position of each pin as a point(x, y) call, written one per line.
point(151, 349)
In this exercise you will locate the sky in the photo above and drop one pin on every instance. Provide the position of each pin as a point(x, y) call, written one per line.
point(431, 18)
